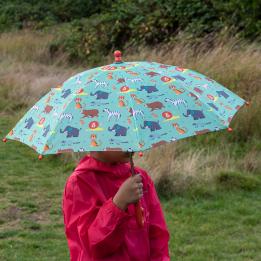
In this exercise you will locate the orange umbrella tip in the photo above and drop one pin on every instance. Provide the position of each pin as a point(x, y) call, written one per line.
point(40, 157)
point(140, 154)
point(247, 103)
point(230, 129)
point(4, 139)
point(117, 56)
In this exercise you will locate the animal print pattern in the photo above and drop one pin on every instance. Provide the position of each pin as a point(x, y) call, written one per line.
point(130, 106)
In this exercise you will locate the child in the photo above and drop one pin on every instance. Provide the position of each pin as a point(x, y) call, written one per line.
point(99, 214)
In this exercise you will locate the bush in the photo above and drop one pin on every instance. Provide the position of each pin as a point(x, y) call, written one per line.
point(237, 180)
point(97, 27)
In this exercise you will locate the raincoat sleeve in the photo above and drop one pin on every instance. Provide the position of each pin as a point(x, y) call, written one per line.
point(99, 225)
point(158, 232)
point(106, 232)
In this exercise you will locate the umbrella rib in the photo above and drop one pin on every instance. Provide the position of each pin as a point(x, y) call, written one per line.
point(135, 122)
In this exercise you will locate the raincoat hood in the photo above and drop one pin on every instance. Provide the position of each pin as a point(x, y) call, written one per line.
point(117, 170)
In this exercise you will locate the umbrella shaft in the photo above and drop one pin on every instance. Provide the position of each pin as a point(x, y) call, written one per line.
point(132, 165)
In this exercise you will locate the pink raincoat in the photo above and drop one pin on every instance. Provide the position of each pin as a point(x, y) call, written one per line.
point(96, 229)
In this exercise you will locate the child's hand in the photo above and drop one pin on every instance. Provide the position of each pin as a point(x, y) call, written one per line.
point(130, 191)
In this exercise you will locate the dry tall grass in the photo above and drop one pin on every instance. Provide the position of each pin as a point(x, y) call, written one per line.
point(29, 47)
point(27, 82)
point(27, 71)
point(27, 68)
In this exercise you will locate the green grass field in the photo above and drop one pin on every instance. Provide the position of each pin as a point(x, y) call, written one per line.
point(213, 224)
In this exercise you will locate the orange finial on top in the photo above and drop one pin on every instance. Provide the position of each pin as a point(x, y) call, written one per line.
point(117, 55)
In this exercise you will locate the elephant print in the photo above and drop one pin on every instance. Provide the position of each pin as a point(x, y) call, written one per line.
point(148, 88)
point(196, 114)
point(46, 130)
point(71, 131)
point(222, 94)
point(178, 77)
point(152, 125)
point(119, 130)
point(213, 106)
point(66, 93)
point(100, 95)
point(29, 122)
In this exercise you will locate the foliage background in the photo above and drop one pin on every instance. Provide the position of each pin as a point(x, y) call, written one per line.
point(88, 30)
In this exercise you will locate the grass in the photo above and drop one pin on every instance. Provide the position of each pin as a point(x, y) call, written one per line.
point(226, 226)
point(31, 222)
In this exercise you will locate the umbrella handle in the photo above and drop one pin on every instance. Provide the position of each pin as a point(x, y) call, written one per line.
point(139, 212)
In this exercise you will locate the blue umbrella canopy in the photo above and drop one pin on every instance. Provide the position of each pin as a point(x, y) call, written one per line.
point(129, 106)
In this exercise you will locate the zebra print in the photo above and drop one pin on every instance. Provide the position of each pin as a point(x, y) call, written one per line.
point(176, 102)
point(136, 112)
point(115, 114)
point(68, 116)
point(133, 80)
point(78, 79)
point(100, 83)
point(35, 107)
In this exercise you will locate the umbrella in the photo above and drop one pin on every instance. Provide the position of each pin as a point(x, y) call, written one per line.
point(126, 106)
